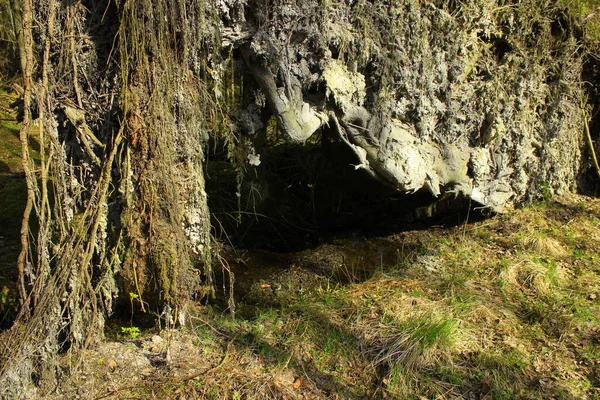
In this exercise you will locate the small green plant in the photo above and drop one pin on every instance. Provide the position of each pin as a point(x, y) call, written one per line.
point(132, 331)
point(6, 300)
point(546, 191)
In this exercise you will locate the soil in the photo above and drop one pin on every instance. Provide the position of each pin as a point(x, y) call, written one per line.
point(262, 276)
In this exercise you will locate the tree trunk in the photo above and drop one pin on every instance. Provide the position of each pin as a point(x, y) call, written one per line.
point(430, 97)
point(16, 16)
point(122, 116)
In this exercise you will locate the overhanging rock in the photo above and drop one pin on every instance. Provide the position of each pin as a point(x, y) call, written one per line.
point(426, 96)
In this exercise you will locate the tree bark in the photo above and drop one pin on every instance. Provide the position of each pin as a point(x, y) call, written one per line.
point(425, 100)
point(122, 114)
point(16, 16)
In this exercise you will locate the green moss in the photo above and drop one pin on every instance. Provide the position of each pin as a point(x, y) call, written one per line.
point(587, 11)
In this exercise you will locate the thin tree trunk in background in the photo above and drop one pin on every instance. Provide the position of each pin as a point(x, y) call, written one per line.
point(27, 54)
point(16, 16)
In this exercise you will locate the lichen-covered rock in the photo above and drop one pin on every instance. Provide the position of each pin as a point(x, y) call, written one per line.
point(451, 97)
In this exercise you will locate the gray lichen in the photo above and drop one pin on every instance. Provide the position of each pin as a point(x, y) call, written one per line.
point(473, 98)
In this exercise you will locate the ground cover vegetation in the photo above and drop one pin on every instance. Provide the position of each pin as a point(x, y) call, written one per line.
point(502, 308)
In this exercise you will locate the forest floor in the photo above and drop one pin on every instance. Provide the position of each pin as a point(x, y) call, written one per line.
point(504, 308)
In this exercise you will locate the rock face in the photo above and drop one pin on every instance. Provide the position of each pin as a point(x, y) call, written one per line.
point(466, 97)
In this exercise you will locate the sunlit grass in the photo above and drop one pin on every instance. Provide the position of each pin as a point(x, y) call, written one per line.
point(488, 310)
point(411, 342)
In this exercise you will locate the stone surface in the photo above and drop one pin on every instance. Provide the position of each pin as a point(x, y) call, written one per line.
point(446, 98)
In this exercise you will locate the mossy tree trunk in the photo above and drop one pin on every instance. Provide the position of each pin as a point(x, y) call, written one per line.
point(116, 205)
